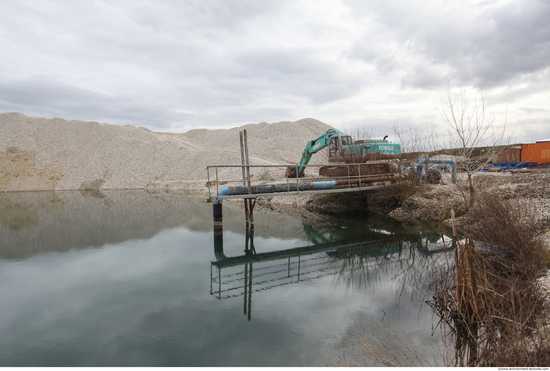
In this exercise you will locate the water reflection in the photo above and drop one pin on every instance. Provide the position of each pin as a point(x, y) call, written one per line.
point(121, 279)
point(33, 223)
point(355, 256)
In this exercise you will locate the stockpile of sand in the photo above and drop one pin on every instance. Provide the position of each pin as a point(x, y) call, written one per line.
point(56, 154)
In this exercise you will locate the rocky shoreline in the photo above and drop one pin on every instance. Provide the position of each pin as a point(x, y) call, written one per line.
point(433, 202)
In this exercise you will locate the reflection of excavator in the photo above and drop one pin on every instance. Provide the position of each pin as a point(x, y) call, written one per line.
point(342, 149)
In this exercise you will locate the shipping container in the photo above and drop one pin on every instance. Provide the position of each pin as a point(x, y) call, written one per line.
point(509, 154)
point(537, 152)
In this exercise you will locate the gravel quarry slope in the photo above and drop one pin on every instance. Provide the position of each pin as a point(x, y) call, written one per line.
point(55, 154)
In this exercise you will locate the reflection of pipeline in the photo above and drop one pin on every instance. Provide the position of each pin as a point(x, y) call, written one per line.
point(383, 249)
point(302, 186)
point(425, 252)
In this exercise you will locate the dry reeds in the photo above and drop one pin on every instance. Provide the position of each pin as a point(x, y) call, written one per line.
point(491, 300)
point(512, 230)
point(464, 300)
point(371, 343)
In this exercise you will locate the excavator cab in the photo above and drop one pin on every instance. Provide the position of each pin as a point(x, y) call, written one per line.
point(336, 148)
point(333, 146)
point(346, 140)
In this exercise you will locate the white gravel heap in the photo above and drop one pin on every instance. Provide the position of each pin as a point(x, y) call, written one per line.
point(56, 154)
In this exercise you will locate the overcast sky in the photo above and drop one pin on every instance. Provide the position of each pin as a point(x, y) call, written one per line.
point(180, 65)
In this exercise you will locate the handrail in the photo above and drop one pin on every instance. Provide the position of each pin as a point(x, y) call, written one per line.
point(284, 186)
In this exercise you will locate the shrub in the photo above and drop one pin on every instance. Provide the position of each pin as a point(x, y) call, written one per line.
point(491, 300)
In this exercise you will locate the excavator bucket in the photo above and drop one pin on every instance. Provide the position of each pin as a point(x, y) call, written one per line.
point(291, 172)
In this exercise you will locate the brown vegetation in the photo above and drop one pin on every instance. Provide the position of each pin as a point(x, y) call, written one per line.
point(373, 343)
point(490, 298)
point(491, 306)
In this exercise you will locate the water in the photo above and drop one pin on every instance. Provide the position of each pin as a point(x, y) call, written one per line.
point(139, 279)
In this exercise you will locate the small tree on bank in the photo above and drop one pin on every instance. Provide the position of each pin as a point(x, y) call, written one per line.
point(415, 139)
point(471, 124)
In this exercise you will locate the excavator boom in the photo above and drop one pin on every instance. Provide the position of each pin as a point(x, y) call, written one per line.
point(312, 147)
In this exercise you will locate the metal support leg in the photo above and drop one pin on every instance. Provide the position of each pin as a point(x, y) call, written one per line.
point(218, 229)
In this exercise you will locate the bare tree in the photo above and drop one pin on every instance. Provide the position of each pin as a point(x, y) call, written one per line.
point(415, 138)
point(471, 124)
point(360, 132)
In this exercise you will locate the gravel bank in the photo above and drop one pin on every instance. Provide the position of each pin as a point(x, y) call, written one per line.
point(434, 202)
point(56, 154)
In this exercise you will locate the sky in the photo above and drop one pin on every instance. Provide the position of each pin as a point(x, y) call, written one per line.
point(173, 66)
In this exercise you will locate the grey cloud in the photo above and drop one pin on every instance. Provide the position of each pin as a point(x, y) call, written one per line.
point(264, 83)
point(149, 65)
point(500, 44)
point(301, 72)
point(43, 96)
point(497, 45)
point(50, 98)
point(424, 77)
point(165, 36)
point(530, 110)
point(532, 129)
point(521, 87)
point(519, 42)
point(172, 65)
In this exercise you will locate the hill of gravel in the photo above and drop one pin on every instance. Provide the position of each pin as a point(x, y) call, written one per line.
point(56, 154)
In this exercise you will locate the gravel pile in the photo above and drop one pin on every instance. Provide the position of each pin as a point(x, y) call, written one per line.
point(56, 154)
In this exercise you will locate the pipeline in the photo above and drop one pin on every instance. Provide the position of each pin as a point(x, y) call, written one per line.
point(301, 186)
point(436, 161)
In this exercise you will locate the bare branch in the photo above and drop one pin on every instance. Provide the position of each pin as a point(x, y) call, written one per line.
point(471, 124)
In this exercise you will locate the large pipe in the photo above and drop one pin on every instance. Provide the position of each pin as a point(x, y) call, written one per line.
point(266, 188)
point(301, 186)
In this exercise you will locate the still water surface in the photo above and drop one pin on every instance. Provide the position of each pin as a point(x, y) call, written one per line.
point(139, 279)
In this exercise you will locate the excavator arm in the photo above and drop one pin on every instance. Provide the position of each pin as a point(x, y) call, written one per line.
point(312, 147)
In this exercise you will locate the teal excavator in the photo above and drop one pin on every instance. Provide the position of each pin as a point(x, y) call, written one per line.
point(343, 149)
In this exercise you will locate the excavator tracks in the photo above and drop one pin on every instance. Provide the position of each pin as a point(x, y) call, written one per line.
point(356, 170)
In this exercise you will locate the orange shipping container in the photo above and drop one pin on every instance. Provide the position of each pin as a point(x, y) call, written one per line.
point(537, 152)
point(509, 154)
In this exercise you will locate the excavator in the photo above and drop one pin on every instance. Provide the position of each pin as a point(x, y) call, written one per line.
point(343, 149)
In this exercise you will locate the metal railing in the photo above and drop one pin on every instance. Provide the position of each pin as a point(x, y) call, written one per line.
point(352, 178)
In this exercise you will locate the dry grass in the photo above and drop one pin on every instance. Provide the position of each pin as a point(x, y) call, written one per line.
point(373, 344)
point(512, 230)
point(491, 300)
